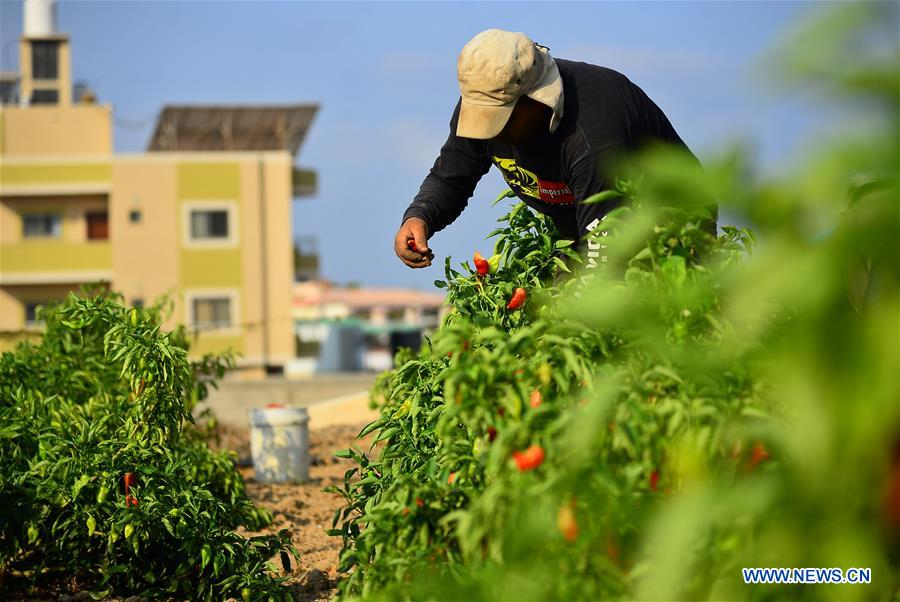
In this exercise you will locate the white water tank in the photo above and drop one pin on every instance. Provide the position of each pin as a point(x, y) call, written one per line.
point(279, 443)
point(40, 18)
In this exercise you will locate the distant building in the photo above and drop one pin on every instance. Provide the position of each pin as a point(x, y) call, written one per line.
point(204, 215)
point(385, 317)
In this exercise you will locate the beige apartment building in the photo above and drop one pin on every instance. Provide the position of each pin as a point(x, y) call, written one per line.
point(203, 216)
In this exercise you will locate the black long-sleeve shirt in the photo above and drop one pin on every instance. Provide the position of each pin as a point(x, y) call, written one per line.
point(605, 116)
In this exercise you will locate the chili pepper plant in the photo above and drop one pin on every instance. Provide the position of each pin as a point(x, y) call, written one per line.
point(108, 483)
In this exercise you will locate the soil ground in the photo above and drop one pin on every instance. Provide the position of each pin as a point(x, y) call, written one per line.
point(305, 509)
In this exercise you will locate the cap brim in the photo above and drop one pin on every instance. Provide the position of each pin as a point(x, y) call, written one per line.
point(549, 91)
point(482, 122)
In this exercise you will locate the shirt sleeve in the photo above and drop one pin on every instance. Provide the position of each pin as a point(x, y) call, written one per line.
point(451, 182)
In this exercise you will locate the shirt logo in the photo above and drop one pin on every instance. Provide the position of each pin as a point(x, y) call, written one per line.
point(555, 192)
point(527, 183)
point(519, 179)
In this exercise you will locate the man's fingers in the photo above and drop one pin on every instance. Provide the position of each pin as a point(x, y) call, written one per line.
point(416, 264)
point(413, 256)
point(411, 244)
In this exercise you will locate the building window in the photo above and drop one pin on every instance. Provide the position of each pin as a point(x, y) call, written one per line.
point(9, 90)
point(45, 97)
point(41, 225)
point(134, 216)
point(210, 223)
point(207, 225)
point(31, 318)
point(212, 312)
point(98, 226)
point(45, 59)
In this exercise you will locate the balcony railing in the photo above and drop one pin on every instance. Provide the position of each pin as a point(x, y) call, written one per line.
point(33, 262)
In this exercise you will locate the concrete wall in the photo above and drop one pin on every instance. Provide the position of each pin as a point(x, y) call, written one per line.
point(235, 398)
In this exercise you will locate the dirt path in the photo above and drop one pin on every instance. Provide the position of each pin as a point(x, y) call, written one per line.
point(305, 509)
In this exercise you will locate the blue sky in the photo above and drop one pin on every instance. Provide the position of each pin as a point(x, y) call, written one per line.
point(385, 77)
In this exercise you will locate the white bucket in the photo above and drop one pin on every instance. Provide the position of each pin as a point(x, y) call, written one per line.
point(279, 442)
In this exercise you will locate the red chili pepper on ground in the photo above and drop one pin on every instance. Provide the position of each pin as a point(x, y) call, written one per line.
point(536, 399)
point(518, 299)
point(481, 264)
point(529, 459)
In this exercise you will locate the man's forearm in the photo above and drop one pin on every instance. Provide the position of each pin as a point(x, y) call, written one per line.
point(438, 203)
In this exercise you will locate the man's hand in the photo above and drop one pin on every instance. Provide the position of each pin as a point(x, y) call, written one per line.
point(413, 234)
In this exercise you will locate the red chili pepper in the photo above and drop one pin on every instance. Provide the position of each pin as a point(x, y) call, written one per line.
point(481, 264)
point(529, 459)
point(566, 523)
point(420, 502)
point(536, 398)
point(612, 549)
point(518, 299)
point(129, 480)
point(892, 492)
point(451, 478)
point(654, 480)
point(492, 433)
point(758, 454)
point(411, 243)
point(130, 500)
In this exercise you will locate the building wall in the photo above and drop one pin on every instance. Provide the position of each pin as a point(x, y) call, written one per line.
point(154, 256)
point(278, 243)
point(212, 267)
point(145, 254)
point(53, 131)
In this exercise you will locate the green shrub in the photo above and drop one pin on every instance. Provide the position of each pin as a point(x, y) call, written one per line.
point(106, 392)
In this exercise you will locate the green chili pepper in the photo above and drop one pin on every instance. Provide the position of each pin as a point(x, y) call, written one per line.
point(205, 555)
point(102, 494)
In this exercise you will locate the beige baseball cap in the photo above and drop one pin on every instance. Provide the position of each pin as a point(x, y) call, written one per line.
point(495, 69)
